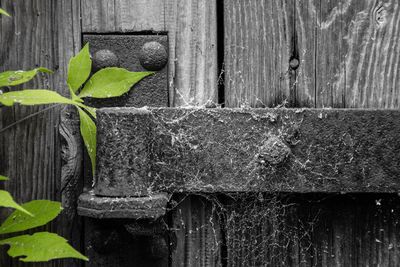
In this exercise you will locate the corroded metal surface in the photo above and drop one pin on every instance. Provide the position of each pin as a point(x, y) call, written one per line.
point(129, 52)
point(151, 207)
point(142, 151)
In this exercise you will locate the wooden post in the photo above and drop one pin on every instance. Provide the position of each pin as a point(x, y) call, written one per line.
point(39, 33)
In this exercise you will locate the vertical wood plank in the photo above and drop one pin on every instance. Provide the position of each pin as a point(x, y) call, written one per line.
point(70, 143)
point(304, 45)
point(197, 230)
point(193, 64)
point(40, 33)
point(258, 46)
point(122, 16)
point(359, 56)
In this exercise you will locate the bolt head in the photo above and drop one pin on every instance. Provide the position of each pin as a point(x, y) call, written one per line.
point(274, 151)
point(104, 58)
point(153, 56)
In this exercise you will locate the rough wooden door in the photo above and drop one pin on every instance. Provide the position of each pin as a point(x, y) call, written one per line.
point(285, 53)
point(322, 54)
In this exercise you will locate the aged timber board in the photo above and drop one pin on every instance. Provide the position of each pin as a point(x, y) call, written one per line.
point(142, 151)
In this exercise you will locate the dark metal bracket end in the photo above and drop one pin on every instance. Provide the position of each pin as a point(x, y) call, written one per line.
point(150, 207)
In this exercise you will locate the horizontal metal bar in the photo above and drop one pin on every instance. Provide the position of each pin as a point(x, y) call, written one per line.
point(150, 207)
point(148, 150)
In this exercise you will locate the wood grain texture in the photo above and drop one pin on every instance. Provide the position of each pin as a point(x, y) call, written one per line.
point(359, 54)
point(346, 50)
point(197, 228)
point(312, 230)
point(122, 16)
point(40, 33)
point(192, 32)
point(257, 51)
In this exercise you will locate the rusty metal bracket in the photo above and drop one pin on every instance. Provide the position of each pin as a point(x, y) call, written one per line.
point(149, 207)
point(149, 150)
point(135, 53)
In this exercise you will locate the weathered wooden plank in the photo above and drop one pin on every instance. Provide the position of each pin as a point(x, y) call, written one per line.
point(192, 31)
point(258, 46)
point(122, 16)
point(305, 41)
point(40, 33)
point(346, 52)
point(361, 54)
point(223, 150)
point(70, 145)
point(269, 53)
point(312, 229)
point(196, 227)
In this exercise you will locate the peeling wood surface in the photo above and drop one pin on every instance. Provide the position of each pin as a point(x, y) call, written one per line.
point(40, 33)
point(237, 150)
point(192, 32)
point(347, 51)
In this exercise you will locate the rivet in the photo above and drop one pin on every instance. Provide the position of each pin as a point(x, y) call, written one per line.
point(104, 58)
point(294, 63)
point(153, 56)
point(274, 151)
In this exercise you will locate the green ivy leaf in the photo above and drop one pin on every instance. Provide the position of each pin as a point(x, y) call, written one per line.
point(3, 178)
point(12, 78)
point(43, 211)
point(34, 97)
point(3, 12)
point(6, 200)
point(88, 132)
point(111, 82)
point(90, 110)
point(79, 68)
point(39, 247)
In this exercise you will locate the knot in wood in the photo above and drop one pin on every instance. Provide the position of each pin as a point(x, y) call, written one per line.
point(104, 58)
point(294, 63)
point(153, 56)
point(274, 151)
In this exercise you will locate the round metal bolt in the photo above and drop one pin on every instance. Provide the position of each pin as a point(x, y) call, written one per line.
point(294, 63)
point(104, 58)
point(274, 151)
point(153, 56)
